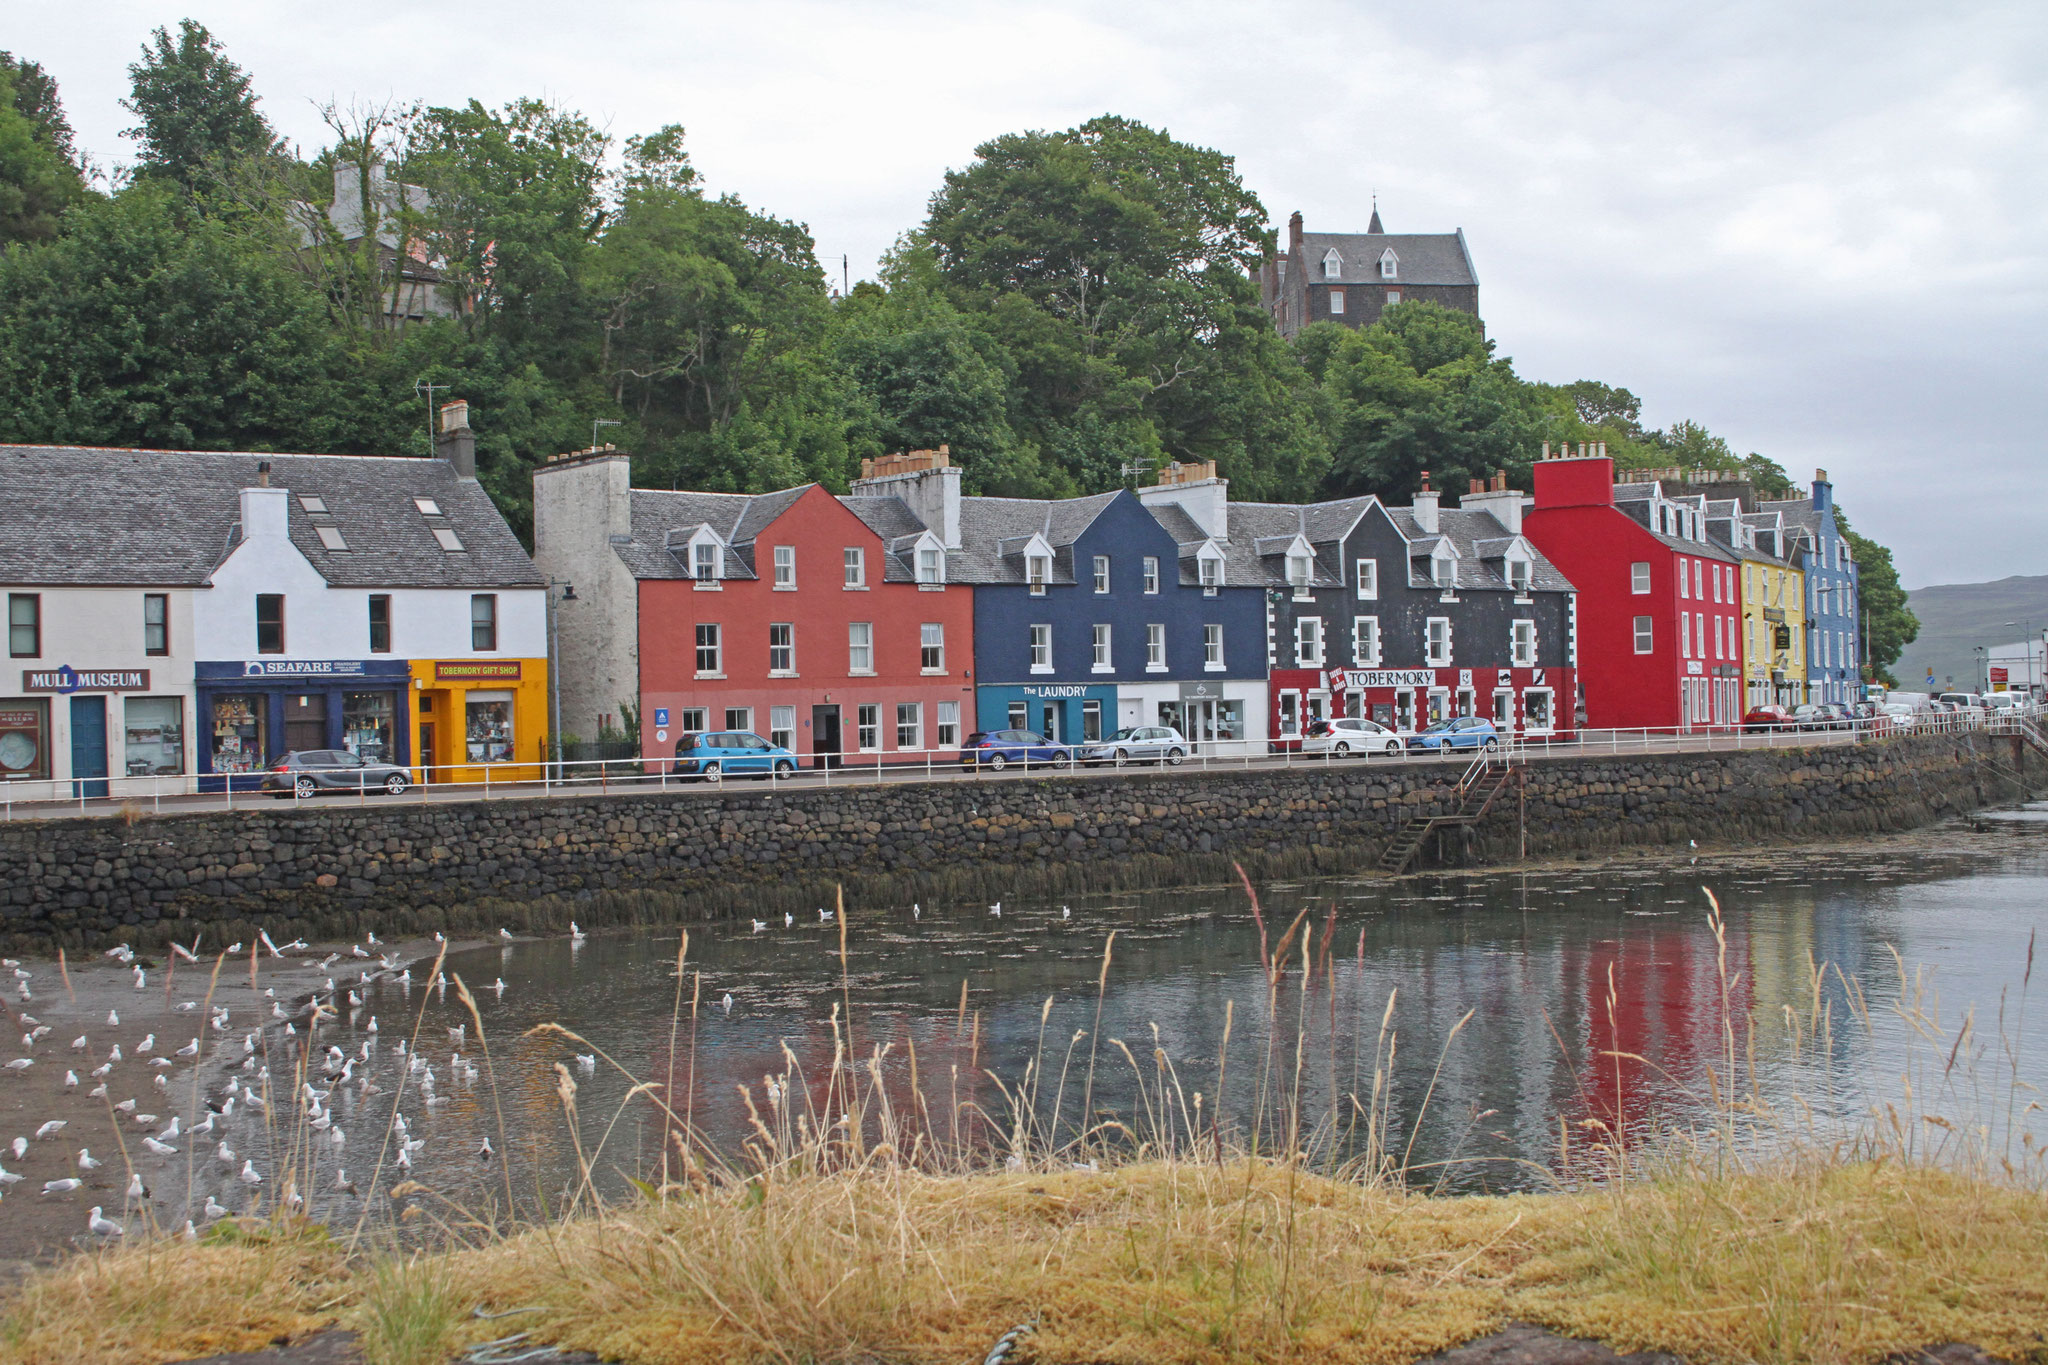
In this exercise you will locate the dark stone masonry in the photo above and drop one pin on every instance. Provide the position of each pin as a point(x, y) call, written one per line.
point(331, 870)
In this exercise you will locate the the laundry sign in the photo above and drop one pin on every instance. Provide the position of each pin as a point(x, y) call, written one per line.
point(69, 679)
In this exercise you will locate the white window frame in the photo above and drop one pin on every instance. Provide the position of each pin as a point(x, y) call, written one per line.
point(745, 715)
point(1430, 653)
point(1041, 647)
point(716, 646)
point(1367, 572)
point(788, 667)
point(909, 727)
point(931, 636)
point(867, 727)
point(1301, 574)
point(1365, 641)
point(1698, 580)
point(856, 569)
point(1683, 593)
point(1151, 575)
point(1645, 634)
point(1639, 578)
point(1522, 643)
point(1521, 573)
point(785, 568)
point(1038, 571)
point(704, 561)
point(1209, 569)
point(1101, 573)
point(1308, 642)
point(931, 565)
point(860, 649)
point(1549, 708)
point(1333, 265)
point(1212, 648)
point(1100, 647)
point(948, 723)
point(1155, 648)
point(1336, 303)
point(1390, 265)
point(782, 727)
point(1684, 634)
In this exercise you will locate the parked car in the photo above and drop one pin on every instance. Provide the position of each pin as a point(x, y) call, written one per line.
point(1767, 717)
point(1138, 744)
point(1342, 735)
point(306, 773)
point(709, 755)
point(1458, 732)
point(1964, 701)
point(1814, 716)
point(998, 749)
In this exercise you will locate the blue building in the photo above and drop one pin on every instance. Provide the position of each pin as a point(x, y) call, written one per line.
point(1098, 613)
point(1834, 651)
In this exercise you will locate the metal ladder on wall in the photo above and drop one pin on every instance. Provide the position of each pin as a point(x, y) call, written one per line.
point(1475, 793)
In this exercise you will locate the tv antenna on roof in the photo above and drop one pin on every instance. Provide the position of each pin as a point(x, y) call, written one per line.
point(601, 422)
point(427, 391)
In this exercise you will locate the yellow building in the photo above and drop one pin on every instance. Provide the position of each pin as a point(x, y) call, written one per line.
point(480, 719)
point(1773, 631)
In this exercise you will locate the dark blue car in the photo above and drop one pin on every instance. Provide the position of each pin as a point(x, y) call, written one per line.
point(998, 749)
point(1458, 732)
point(710, 755)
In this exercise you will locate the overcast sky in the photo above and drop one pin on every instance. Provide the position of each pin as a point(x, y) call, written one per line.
point(1816, 228)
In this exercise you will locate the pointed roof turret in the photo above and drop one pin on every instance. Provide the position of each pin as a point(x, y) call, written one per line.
point(1374, 225)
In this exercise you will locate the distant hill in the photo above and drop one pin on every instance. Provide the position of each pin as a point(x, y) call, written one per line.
point(1957, 617)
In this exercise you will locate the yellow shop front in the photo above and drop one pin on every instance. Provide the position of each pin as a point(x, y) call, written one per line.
point(479, 719)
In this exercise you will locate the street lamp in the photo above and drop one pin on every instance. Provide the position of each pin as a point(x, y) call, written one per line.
point(555, 665)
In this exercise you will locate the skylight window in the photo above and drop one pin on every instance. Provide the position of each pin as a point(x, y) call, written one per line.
point(428, 507)
point(330, 536)
point(449, 540)
point(311, 503)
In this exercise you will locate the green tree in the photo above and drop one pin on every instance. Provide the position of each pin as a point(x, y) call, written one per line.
point(36, 99)
point(1605, 407)
point(37, 183)
point(1888, 623)
point(196, 110)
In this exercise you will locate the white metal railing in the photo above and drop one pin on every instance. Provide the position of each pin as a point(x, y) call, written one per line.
point(44, 798)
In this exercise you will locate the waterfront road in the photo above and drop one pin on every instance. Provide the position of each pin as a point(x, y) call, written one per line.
point(620, 779)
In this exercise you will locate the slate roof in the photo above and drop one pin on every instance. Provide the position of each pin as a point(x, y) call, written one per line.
point(89, 515)
point(655, 513)
point(1633, 500)
point(991, 526)
point(1480, 541)
point(1424, 258)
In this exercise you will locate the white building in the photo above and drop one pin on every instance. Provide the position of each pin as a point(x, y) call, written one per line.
point(179, 617)
point(2024, 664)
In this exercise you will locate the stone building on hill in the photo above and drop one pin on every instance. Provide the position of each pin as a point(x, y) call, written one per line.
point(1351, 277)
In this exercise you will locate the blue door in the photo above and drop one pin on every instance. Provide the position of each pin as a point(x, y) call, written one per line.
point(88, 746)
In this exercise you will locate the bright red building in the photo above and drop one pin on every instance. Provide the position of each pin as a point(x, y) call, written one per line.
point(1659, 603)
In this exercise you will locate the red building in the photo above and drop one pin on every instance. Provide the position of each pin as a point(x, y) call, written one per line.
point(1659, 606)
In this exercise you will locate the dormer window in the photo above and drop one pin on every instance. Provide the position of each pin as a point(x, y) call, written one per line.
point(1333, 265)
point(1300, 573)
point(1443, 572)
point(1390, 265)
point(1038, 572)
point(1518, 575)
point(1212, 576)
point(704, 561)
point(931, 564)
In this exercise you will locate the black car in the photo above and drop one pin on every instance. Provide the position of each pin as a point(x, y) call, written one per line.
point(308, 772)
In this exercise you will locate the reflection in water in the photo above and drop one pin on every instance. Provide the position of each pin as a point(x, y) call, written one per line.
point(1598, 1001)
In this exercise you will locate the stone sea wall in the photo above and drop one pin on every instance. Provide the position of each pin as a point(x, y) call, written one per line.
point(326, 870)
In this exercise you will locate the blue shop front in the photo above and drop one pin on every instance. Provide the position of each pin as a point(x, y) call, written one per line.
point(253, 712)
point(1071, 712)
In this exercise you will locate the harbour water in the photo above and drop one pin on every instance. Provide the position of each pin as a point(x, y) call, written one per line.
point(1533, 1017)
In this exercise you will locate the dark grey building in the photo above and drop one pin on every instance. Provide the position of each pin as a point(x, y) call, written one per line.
point(1351, 277)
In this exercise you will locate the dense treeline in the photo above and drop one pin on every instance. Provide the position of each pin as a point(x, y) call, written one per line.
point(1075, 307)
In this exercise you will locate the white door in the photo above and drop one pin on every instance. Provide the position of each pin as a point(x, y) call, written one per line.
point(1130, 712)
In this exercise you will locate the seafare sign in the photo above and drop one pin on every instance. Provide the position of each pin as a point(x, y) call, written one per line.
point(68, 679)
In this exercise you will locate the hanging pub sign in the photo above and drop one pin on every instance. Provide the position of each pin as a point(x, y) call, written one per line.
point(68, 679)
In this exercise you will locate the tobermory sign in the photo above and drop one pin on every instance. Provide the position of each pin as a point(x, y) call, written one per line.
point(1382, 677)
point(478, 670)
point(69, 679)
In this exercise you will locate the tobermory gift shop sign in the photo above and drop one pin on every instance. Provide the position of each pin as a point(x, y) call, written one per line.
point(1361, 678)
point(477, 670)
point(69, 679)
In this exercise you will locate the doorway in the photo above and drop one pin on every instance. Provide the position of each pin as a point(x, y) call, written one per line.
point(426, 751)
point(825, 736)
point(1050, 712)
point(88, 746)
point(305, 722)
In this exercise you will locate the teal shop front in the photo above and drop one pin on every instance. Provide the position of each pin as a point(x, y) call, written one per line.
point(1070, 712)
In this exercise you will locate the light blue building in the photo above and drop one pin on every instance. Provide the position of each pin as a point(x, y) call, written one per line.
point(1834, 637)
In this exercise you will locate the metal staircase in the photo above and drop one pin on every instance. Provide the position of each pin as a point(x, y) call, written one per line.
point(1474, 795)
point(2025, 728)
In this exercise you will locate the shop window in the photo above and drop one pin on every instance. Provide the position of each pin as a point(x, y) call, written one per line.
point(1465, 701)
point(909, 726)
point(1504, 710)
point(1536, 708)
point(931, 647)
point(1020, 715)
point(1091, 721)
point(948, 724)
point(785, 568)
point(860, 647)
point(488, 725)
point(782, 727)
point(868, 720)
point(782, 647)
point(1290, 721)
point(1151, 575)
point(483, 621)
point(710, 650)
point(269, 623)
point(1155, 647)
point(156, 623)
point(366, 725)
point(1439, 706)
point(739, 718)
point(155, 736)
point(24, 625)
point(240, 738)
point(380, 623)
point(24, 740)
point(1102, 573)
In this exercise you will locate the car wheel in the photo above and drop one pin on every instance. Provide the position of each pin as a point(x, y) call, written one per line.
point(1119, 758)
point(1491, 745)
point(304, 788)
point(1343, 749)
point(784, 768)
point(1393, 748)
point(711, 772)
point(1174, 756)
point(1062, 759)
point(395, 783)
point(997, 762)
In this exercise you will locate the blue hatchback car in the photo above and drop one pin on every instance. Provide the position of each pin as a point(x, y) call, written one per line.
point(710, 755)
point(998, 749)
point(1458, 732)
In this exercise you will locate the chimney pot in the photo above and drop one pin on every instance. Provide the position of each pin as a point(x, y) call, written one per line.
point(1425, 480)
point(458, 442)
point(263, 473)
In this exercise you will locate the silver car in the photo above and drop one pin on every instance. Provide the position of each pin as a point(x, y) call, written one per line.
point(1346, 735)
point(1138, 744)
